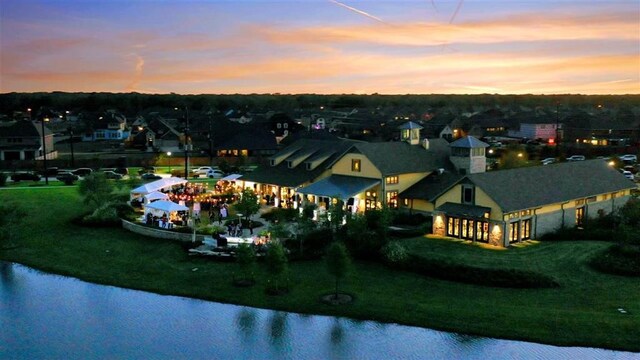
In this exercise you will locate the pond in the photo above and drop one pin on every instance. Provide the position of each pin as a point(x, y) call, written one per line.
point(56, 317)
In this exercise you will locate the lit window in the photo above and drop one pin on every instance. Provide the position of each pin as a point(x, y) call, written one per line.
point(392, 180)
point(355, 165)
point(392, 199)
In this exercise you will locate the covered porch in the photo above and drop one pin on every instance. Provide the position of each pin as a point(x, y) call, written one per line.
point(358, 194)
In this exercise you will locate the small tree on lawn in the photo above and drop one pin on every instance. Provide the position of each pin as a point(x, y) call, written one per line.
point(12, 216)
point(248, 203)
point(338, 262)
point(96, 189)
point(276, 261)
point(337, 214)
point(246, 259)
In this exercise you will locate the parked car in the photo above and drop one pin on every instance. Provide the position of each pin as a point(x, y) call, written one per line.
point(122, 171)
point(576, 158)
point(627, 174)
point(20, 176)
point(109, 174)
point(629, 157)
point(67, 177)
point(147, 170)
point(547, 161)
point(215, 174)
point(203, 170)
point(82, 171)
point(52, 171)
point(150, 176)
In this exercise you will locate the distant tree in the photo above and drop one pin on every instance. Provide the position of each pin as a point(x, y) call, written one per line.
point(338, 263)
point(630, 213)
point(336, 209)
point(248, 203)
point(12, 216)
point(276, 262)
point(513, 157)
point(95, 188)
point(246, 259)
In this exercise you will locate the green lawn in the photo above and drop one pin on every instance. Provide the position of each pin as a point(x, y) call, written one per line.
point(582, 311)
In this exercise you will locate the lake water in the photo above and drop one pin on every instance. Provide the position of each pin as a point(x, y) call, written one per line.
point(45, 316)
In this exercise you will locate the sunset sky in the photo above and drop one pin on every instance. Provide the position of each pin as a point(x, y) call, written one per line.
point(321, 46)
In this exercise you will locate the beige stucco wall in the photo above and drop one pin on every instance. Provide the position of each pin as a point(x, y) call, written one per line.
point(482, 199)
point(419, 205)
point(367, 170)
point(405, 181)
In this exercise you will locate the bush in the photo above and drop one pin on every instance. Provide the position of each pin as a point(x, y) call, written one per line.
point(107, 215)
point(410, 219)
point(408, 233)
point(316, 241)
point(508, 278)
point(590, 233)
point(280, 215)
point(3, 179)
point(620, 259)
point(395, 253)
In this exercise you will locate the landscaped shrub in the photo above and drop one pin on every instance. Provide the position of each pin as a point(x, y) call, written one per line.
point(104, 216)
point(3, 179)
point(509, 278)
point(589, 233)
point(107, 215)
point(408, 233)
point(280, 215)
point(620, 259)
point(315, 242)
point(410, 219)
point(394, 253)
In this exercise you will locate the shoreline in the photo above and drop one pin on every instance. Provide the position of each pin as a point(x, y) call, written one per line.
point(582, 312)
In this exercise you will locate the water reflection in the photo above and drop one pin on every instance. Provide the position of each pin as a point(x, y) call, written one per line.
point(55, 317)
point(6, 273)
point(246, 322)
point(278, 327)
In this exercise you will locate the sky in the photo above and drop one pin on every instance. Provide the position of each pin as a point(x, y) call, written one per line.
point(321, 46)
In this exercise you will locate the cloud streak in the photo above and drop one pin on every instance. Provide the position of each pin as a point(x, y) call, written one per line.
point(363, 13)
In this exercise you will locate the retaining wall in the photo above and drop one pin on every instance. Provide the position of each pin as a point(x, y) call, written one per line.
point(159, 233)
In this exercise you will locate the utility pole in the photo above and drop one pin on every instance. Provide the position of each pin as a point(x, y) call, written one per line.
point(44, 151)
point(71, 143)
point(557, 128)
point(210, 142)
point(186, 144)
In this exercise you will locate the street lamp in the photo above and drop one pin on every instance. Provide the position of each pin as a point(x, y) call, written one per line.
point(169, 155)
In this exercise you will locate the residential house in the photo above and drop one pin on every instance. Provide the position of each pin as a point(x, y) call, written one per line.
point(109, 126)
point(224, 138)
point(22, 140)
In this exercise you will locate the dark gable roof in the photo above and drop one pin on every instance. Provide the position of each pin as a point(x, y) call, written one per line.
point(431, 186)
point(282, 175)
point(530, 187)
point(401, 158)
point(24, 128)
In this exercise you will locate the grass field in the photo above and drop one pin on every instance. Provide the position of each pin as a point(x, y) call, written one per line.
point(581, 312)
